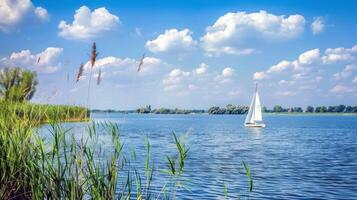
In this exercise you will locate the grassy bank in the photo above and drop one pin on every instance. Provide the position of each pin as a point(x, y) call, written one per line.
point(43, 113)
point(66, 168)
point(63, 167)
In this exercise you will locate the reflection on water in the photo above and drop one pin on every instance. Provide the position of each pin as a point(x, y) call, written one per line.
point(294, 157)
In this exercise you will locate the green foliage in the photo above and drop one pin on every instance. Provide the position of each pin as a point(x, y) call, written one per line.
point(277, 108)
point(148, 109)
point(66, 168)
point(309, 109)
point(229, 109)
point(41, 113)
point(17, 84)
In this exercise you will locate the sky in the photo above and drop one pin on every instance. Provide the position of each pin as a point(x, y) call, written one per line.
point(198, 54)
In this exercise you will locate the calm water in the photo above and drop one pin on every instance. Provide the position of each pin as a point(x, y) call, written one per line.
point(295, 157)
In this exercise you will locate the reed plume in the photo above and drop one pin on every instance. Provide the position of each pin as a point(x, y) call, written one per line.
point(141, 63)
point(93, 59)
point(80, 72)
point(99, 77)
point(94, 54)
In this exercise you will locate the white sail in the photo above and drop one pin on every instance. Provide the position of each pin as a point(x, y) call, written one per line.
point(255, 110)
point(250, 118)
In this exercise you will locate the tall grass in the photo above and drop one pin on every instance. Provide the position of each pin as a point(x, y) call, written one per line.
point(41, 113)
point(68, 168)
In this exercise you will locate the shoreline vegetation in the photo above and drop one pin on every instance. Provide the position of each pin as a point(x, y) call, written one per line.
point(45, 113)
point(64, 166)
point(240, 110)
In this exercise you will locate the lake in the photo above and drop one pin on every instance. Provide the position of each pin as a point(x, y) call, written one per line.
point(294, 157)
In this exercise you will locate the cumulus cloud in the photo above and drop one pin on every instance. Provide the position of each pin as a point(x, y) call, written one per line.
point(341, 89)
point(281, 66)
point(285, 82)
point(259, 75)
point(192, 87)
point(42, 13)
point(233, 93)
point(43, 62)
point(339, 54)
point(318, 25)
point(114, 65)
point(285, 93)
point(12, 12)
point(346, 72)
point(173, 80)
point(354, 80)
point(309, 57)
point(202, 68)
point(300, 66)
point(227, 72)
point(88, 24)
point(173, 41)
point(228, 33)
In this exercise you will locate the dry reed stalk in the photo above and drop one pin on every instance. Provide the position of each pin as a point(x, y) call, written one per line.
point(93, 59)
point(99, 77)
point(141, 63)
point(38, 60)
point(80, 72)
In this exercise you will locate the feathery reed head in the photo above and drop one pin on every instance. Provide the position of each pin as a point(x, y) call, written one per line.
point(99, 79)
point(94, 54)
point(141, 62)
point(80, 72)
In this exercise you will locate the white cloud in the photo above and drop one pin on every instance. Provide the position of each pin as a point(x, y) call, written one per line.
point(345, 73)
point(202, 68)
point(175, 77)
point(340, 89)
point(259, 75)
point(12, 12)
point(42, 13)
point(354, 80)
point(192, 87)
point(227, 72)
point(172, 40)
point(339, 54)
point(281, 66)
point(285, 82)
point(43, 62)
point(309, 57)
point(88, 24)
point(318, 25)
point(115, 65)
point(229, 33)
point(286, 93)
point(233, 93)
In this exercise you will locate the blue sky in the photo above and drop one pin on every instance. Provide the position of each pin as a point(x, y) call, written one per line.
point(198, 53)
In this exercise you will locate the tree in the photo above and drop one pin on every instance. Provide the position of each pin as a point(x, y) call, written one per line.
point(309, 109)
point(278, 108)
point(340, 108)
point(17, 84)
point(348, 109)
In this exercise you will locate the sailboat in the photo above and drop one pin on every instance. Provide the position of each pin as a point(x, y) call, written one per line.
point(254, 116)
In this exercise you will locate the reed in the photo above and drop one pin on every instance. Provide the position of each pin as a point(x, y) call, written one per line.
point(66, 168)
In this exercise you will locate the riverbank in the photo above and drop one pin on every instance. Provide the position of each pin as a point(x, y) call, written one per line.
point(44, 113)
point(206, 113)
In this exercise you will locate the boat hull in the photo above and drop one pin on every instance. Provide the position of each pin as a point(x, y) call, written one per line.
point(255, 125)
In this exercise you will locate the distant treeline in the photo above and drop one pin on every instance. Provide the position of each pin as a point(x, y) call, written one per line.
point(228, 110)
point(113, 111)
point(147, 109)
point(238, 109)
point(317, 109)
